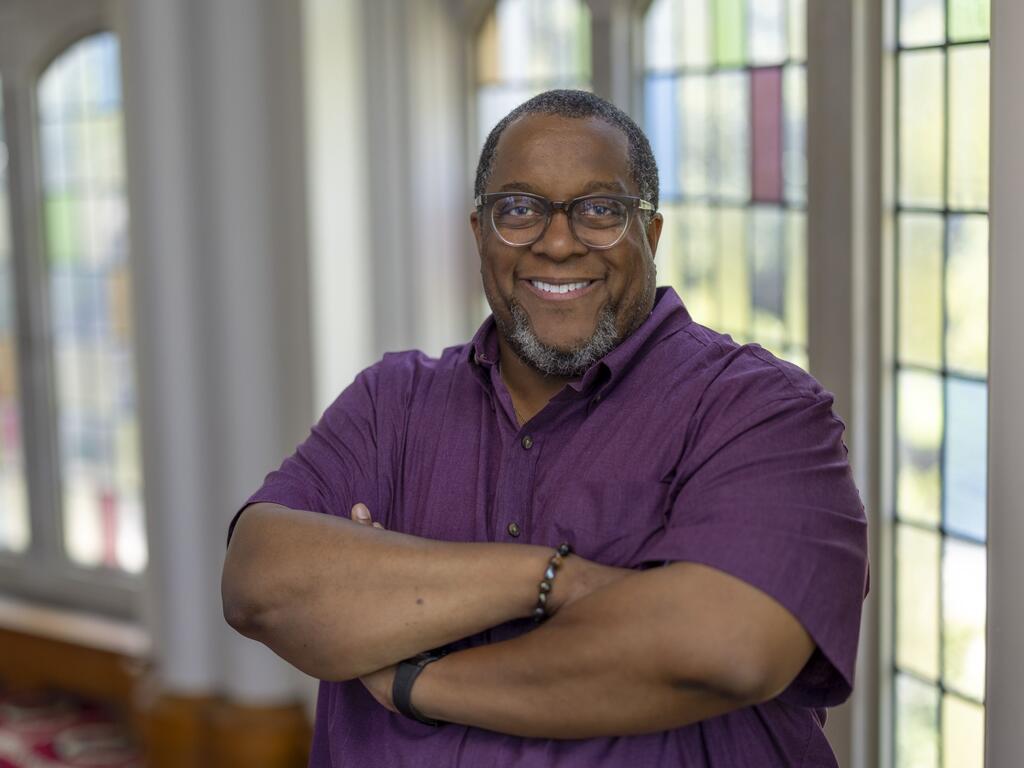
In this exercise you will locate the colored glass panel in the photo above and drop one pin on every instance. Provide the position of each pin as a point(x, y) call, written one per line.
point(917, 724)
point(922, 22)
point(698, 276)
point(917, 592)
point(969, 19)
point(661, 121)
point(967, 294)
point(86, 231)
point(968, 126)
point(919, 424)
point(963, 618)
point(796, 284)
point(920, 289)
point(731, 156)
point(797, 30)
point(766, 114)
point(794, 151)
point(767, 32)
point(14, 521)
point(963, 733)
point(921, 132)
point(734, 278)
point(695, 134)
point(730, 32)
point(964, 479)
point(677, 34)
point(769, 285)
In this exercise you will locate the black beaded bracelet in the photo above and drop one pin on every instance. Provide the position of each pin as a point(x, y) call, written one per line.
point(541, 611)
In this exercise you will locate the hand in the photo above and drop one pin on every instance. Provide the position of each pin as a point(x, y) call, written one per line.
point(361, 515)
point(578, 577)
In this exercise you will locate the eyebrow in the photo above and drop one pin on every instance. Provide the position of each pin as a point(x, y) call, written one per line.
point(589, 188)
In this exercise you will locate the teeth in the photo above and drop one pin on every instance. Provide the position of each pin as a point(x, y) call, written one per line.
point(549, 288)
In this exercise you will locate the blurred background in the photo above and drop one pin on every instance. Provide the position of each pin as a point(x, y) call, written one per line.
point(213, 213)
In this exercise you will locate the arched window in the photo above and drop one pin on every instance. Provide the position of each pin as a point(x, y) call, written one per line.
point(14, 527)
point(525, 47)
point(85, 219)
point(725, 109)
point(940, 120)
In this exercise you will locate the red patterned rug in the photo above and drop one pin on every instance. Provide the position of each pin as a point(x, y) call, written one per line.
point(54, 730)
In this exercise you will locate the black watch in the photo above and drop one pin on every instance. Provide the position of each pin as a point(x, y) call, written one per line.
point(405, 676)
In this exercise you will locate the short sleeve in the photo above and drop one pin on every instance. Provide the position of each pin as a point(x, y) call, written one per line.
point(335, 466)
point(769, 498)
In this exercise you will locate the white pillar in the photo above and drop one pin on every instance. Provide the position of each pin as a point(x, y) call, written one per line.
point(251, 380)
point(1005, 677)
point(181, 608)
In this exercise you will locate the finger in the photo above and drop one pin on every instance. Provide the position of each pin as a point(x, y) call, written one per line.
point(378, 525)
point(361, 513)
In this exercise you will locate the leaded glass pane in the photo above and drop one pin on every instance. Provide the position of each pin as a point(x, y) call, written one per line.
point(966, 451)
point(917, 724)
point(695, 129)
point(963, 733)
point(86, 229)
point(922, 22)
point(730, 32)
point(921, 132)
point(967, 294)
point(917, 591)
point(734, 278)
point(14, 521)
point(769, 288)
point(766, 109)
point(731, 157)
point(920, 289)
point(919, 420)
point(767, 32)
point(796, 283)
point(968, 127)
point(794, 153)
point(661, 120)
point(963, 618)
point(968, 19)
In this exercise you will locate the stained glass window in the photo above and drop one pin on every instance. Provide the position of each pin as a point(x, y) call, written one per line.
point(14, 525)
point(525, 47)
point(940, 244)
point(726, 111)
point(85, 218)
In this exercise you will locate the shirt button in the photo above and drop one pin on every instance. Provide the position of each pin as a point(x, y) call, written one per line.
point(513, 528)
point(527, 442)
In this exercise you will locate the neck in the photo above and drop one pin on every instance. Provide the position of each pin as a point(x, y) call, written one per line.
point(530, 390)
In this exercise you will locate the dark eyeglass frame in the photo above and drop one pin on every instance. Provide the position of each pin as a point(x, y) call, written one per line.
point(632, 202)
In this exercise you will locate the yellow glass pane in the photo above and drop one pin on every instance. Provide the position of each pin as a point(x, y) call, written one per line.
point(917, 601)
point(922, 22)
point(963, 618)
point(734, 272)
point(920, 289)
point(919, 425)
point(967, 294)
point(968, 127)
point(963, 733)
point(921, 128)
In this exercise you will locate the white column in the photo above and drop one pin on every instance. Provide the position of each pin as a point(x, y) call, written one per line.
point(250, 378)
point(1005, 678)
point(181, 608)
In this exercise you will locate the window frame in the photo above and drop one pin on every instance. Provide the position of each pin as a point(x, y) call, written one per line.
point(44, 573)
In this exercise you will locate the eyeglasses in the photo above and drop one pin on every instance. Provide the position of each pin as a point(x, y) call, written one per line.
point(597, 221)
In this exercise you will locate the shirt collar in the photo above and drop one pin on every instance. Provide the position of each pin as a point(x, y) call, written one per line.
point(668, 316)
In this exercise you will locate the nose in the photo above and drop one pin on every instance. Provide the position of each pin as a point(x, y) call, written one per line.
point(558, 241)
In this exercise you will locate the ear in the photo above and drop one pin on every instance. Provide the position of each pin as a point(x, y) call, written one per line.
point(478, 235)
point(654, 232)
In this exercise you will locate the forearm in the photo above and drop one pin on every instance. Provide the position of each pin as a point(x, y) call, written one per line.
point(337, 599)
point(620, 661)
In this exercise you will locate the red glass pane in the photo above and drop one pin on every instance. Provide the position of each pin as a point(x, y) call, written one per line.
point(766, 134)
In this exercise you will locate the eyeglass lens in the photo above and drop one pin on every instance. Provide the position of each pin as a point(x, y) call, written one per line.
point(597, 221)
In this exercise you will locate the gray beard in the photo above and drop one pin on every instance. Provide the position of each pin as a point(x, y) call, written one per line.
point(551, 361)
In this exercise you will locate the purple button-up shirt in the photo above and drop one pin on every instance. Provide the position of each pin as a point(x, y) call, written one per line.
point(679, 445)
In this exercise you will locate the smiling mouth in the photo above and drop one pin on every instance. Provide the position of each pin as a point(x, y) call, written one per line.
point(560, 288)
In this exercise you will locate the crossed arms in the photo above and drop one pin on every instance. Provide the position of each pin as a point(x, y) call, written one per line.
point(625, 651)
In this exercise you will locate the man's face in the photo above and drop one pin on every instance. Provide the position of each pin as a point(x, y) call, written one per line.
point(563, 334)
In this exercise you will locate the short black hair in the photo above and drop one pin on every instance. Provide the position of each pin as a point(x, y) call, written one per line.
point(581, 104)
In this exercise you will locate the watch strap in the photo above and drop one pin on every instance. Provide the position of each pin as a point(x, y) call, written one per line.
point(405, 675)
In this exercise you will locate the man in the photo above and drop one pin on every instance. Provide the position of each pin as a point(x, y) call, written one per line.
point(710, 606)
